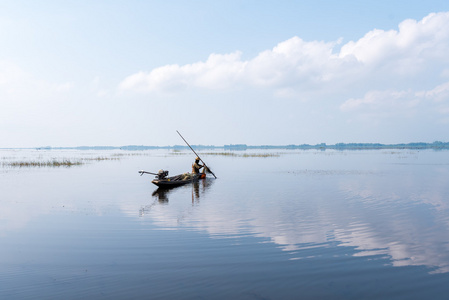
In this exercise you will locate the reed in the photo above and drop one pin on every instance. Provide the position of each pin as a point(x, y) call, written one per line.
point(55, 163)
point(137, 153)
point(261, 155)
point(50, 163)
point(232, 154)
point(100, 158)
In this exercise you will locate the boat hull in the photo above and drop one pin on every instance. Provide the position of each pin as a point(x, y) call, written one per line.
point(175, 181)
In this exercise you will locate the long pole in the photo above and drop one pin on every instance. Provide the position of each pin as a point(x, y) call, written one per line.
point(196, 154)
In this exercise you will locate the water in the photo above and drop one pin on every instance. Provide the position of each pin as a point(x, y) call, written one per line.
point(297, 225)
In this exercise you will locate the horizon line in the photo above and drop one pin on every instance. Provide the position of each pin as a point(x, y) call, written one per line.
point(435, 144)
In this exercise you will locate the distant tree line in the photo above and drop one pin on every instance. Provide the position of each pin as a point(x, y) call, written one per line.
point(321, 146)
point(346, 146)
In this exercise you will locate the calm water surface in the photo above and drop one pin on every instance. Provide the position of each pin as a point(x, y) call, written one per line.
point(298, 225)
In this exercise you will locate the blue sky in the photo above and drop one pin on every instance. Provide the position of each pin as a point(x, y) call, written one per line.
point(256, 72)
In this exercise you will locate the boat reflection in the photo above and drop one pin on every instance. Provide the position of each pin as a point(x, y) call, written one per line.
point(161, 195)
point(198, 187)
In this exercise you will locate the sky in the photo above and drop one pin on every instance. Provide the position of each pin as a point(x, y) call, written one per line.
point(85, 73)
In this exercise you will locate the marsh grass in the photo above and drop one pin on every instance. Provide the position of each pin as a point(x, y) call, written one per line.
point(100, 158)
point(262, 155)
point(179, 152)
point(131, 154)
point(55, 163)
point(40, 164)
point(232, 154)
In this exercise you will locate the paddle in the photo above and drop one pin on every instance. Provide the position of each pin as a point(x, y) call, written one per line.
point(205, 167)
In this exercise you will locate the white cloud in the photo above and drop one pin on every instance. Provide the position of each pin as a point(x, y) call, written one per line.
point(390, 100)
point(413, 48)
point(438, 94)
point(284, 66)
point(380, 58)
point(291, 63)
point(393, 103)
point(218, 72)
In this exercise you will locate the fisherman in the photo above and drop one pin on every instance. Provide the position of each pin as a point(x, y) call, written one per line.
point(196, 166)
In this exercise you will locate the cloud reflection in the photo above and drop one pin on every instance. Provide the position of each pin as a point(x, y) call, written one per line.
point(402, 217)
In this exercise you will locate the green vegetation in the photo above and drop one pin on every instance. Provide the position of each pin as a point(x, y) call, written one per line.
point(261, 155)
point(55, 163)
point(100, 158)
point(243, 154)
point(230, 153)
point(52, 163)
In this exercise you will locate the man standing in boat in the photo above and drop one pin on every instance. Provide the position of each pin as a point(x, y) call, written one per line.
point(196, 166)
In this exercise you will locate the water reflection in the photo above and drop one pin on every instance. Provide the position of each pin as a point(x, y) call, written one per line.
point(161, 196)
point(375, 207)
point(407, 221)
point(399, 215)
point(198, 187)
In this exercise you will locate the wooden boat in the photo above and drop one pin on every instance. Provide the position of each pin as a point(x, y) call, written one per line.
point(178, 180)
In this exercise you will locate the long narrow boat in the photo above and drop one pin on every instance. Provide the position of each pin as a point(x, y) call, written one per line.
point(178, 180)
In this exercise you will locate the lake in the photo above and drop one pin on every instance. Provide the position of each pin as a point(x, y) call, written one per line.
point(287, 224)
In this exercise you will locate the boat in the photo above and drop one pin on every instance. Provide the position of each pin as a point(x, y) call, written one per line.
point(177, 180)
point(163, 181)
